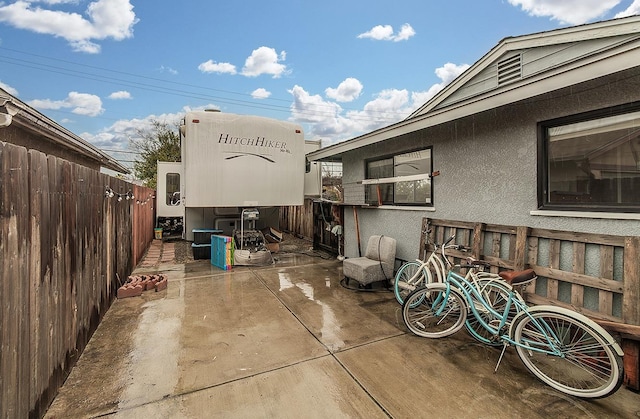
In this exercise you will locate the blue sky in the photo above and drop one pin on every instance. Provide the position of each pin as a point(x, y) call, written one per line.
point(105, 68)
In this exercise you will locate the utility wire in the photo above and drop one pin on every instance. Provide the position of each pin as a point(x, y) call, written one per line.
point(168, 90)
point(121, 151)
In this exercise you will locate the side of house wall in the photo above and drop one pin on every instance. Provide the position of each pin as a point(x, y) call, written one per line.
point(488, 166)
point(64, 247)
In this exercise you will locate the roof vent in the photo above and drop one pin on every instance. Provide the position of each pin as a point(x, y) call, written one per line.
point(510, 70)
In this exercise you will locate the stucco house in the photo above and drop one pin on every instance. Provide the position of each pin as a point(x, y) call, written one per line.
point(543, 131)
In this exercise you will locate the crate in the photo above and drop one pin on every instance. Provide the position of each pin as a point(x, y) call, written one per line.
point(201, 251)
point(222, 251)
point(203, 235)
point(631, 348)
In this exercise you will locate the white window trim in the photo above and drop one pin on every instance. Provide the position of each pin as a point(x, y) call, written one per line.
point(396, 179)
point(586, 214)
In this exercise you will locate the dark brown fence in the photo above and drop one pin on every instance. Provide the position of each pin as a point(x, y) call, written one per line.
point(298, 220)
point(314, 221)
point(64, 245)
point(594, 274)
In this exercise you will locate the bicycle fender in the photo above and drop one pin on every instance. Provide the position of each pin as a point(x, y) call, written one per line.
point(567, 312)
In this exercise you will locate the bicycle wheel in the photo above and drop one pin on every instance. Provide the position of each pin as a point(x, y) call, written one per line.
point(578, 360)
point(405, 282)
point(434, 311)
point(496, 294)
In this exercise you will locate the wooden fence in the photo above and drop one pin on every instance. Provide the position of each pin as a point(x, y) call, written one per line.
point(594, 274)
point(64, 245)
point(298, 220)
point(310, 221)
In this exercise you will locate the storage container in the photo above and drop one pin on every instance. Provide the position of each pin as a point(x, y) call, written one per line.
point(203, 235)
point(201, 251)
point(222, 251)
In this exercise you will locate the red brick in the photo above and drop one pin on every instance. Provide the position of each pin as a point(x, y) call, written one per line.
point(128, 291)
point(161, 285)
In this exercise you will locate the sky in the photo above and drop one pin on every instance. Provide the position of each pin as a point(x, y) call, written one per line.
point(105, 69)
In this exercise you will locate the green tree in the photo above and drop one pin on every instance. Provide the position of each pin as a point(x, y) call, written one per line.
point(161, 142)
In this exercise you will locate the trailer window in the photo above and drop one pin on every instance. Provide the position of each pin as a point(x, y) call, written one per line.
point(412, 192)
point(173, 188)
point(593, 163)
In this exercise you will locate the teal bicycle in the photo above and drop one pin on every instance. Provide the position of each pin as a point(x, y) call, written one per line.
point(492, 287)
point(564, 349)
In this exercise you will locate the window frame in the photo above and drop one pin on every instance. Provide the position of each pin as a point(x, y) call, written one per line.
point(543, 160)
point(169, 195)
point(367, 162)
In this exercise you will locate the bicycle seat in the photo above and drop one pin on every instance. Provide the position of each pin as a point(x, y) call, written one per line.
point(518, 277)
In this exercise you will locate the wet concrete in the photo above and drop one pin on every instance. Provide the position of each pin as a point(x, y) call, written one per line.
point(288, 341)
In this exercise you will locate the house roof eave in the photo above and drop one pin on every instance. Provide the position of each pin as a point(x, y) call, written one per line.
point(614, 27)
point(623, 57)
point(30, 119)
point(527, 88)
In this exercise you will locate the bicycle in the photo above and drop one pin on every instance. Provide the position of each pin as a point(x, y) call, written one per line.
point(562, 348)
point(434, 269)
point(415, 273)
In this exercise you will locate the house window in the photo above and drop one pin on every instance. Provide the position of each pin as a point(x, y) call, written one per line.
point(394, 190)
point(173, 188)
point(592, 162)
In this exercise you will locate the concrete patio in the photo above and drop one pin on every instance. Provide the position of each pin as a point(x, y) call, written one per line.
point(288, 341)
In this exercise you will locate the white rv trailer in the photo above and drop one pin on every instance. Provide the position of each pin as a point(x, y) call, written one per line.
point(234, 162)
point(169, 208)
point(313, 175)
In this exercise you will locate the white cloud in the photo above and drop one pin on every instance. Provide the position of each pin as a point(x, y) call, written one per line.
point(447, 73)
point(105, 19)
point(388, 107)
point(79, 103)
point(265, 60)
point(385, 33)
point(121, 94)
point(211, 66)
point(54, 2)
point(169, 70)
point(573, 12)
point(633, 9)
point(328, 121)
point(346, 91)
point(406, 32)
point(260, 93)
point(379, 33)
point(118, 135)
point(323, 117)
point(9, 89)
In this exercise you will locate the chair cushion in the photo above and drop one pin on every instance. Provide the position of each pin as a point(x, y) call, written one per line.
point(366, 271)
point(381, 248)
point(376, 265)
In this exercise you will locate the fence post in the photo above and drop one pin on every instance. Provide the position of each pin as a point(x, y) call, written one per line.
point(631, 286)
point(520, 255)
point(422, 251)
point(476, 241)
point(631, 310)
